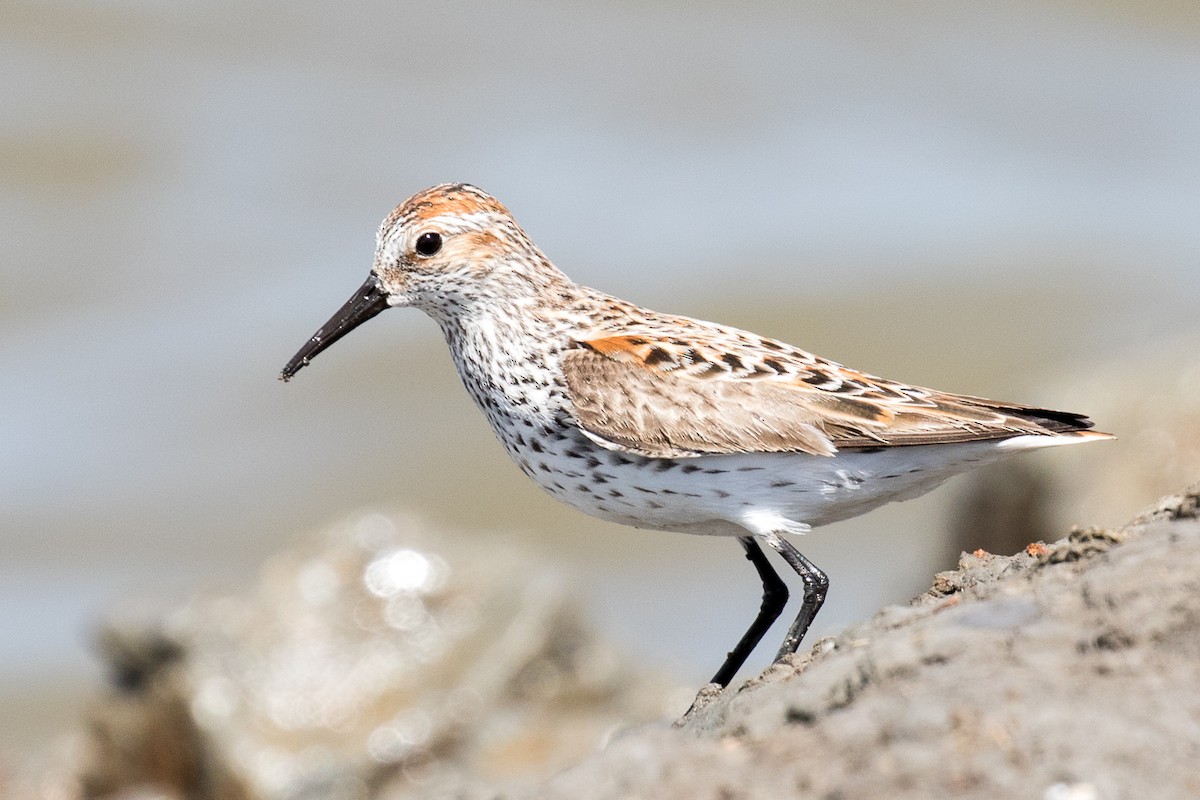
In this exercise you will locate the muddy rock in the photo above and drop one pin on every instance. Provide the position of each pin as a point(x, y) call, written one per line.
point(1068, 670)
point(377, 660)
point(378, 663)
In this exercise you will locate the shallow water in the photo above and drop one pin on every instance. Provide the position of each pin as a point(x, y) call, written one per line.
point(946, 196)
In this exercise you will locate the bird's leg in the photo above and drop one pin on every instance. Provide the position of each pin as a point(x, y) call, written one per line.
point(775, 596)
point(816, 585)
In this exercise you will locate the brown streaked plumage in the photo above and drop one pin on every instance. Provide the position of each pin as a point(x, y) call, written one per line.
point(666, 422)
point(668, 398)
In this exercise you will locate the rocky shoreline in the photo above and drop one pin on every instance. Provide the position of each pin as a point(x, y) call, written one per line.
point(376, 662)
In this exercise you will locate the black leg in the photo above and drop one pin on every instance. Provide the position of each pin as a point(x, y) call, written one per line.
point(775, 596)
point(816, 585)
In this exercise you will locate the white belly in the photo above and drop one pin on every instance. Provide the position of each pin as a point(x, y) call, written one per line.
point(716, 494)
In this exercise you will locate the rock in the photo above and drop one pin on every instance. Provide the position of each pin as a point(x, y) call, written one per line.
point(1067, 670)
point(376, 664)
point(376, 661)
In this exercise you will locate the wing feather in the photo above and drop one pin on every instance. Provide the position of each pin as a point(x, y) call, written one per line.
point(661, 397)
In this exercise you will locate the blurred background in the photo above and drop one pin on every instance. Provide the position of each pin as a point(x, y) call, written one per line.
point(998, 199)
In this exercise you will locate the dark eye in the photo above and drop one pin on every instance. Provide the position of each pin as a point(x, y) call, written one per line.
point(429, 243)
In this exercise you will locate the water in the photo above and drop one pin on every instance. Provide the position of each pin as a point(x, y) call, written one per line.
point(940, 193)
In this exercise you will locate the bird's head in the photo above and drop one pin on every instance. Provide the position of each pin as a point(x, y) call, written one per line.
point(450, 250)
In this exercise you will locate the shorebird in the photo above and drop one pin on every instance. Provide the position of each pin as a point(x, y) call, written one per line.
point(666, 422)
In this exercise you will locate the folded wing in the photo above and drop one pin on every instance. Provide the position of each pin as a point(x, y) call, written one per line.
point(667, 397)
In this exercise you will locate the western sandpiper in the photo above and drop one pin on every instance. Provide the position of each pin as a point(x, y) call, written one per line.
point(666, 422)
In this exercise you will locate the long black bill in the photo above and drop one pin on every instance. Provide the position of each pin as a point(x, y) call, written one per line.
point(368, 301)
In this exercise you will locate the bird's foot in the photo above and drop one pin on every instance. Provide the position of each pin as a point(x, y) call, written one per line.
point(708, 693)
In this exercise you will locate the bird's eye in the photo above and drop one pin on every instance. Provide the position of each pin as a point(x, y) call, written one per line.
point(428, 243)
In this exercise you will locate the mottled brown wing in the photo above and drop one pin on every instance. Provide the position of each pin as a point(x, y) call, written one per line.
point(662, 398)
